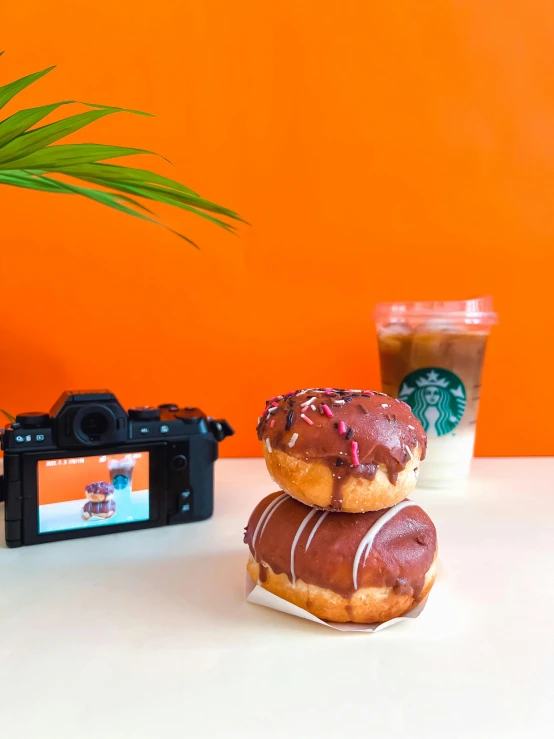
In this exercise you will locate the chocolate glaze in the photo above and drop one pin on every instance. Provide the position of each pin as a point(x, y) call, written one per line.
point(95, 509)
point(383, 434)
point(102, 489)
point(400, 555)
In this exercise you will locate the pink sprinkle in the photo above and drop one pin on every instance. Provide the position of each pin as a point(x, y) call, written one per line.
point(329, 391)
point(342, 428)
point(354, 453)
point(327, 410)
point(368, 392)
point(272, 424)
point(275, 405)
point(275, 397)
point(308, 420)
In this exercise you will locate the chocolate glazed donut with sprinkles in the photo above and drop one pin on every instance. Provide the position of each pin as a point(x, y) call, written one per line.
point(342, 450)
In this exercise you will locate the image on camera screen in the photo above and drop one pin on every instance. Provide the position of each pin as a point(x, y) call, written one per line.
point(84, 492)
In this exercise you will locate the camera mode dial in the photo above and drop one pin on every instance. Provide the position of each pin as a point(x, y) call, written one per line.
point(169, 407)
point(144, 413)
point(32, 419)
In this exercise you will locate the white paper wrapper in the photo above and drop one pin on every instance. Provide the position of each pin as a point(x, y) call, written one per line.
point(261, 597)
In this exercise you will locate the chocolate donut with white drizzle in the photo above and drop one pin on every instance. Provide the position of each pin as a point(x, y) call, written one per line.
point(105, 509)
point(343, 567)
point(345, 450)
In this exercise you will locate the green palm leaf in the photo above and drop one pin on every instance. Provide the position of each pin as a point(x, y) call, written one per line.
point(167, 192)
point(29, 157)
point(56, 158)
point(27, 142)
point(31, 182)
point(9, 91)
point(130, 175)
point(166, 197)
point(116, 200)
point(20, 122)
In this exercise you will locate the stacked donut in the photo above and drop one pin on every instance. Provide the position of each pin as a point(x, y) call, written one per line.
point(100, 501)
point(340, 539)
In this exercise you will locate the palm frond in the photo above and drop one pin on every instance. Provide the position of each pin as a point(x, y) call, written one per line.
point(116, 173)
point(9, 416)
point(115, 200)
point(28, 142)
point(21, 121)
point(9, 91)
point(55, 158)
point(30, 157)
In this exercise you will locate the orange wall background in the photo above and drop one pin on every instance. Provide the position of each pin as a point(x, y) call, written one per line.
point(67, 482)
point(380, 150)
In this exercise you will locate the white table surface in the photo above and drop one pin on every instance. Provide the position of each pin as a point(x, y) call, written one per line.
point(147, 634)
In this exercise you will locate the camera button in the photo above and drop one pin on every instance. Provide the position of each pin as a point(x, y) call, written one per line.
point(168, 407)
point(144, 430)
point(33, 418)
point(164, 429)
point(185, 508)
point(179, 462)
point(19, 439)
point(40, 437)
point(144, 413)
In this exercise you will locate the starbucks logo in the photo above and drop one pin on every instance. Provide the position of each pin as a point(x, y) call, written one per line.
point(120, 482)
point(436, 396)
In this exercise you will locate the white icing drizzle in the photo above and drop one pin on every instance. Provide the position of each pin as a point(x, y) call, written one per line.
point(293, 439)
point(315, 528)
point(265, 517)
point(295, 542)
point(367, 542)
point(271, 514)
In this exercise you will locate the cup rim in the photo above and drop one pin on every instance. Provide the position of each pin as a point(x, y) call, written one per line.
point(474, 310)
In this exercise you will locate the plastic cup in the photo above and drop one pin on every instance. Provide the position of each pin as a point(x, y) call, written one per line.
point(121, 476)
point(431, 356)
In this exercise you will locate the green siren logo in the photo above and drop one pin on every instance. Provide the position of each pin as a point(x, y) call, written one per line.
point(436, 396)
point(120, 482)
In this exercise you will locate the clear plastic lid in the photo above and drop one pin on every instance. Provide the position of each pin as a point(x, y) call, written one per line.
point(478, 311)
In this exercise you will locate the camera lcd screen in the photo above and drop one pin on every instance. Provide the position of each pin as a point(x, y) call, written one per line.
point(85, 492)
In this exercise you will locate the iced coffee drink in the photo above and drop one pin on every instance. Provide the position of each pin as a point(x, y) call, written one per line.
point(121, 477)
point(431, 357)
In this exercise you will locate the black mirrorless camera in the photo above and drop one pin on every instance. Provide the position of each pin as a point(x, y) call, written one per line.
point(89, 467)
